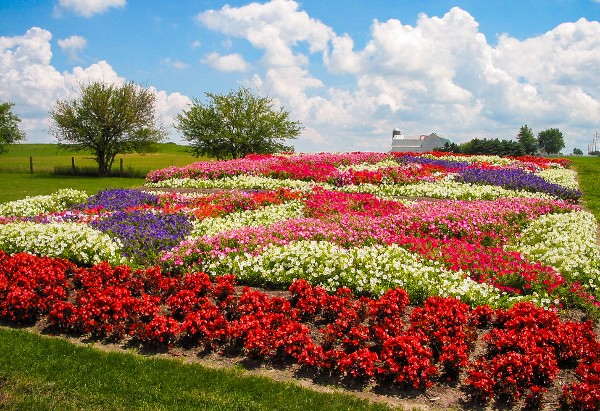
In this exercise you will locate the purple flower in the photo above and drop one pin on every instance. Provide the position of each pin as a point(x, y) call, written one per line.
point(144, 234)
point(516, 179)
point(447, 164)
point(118, 199)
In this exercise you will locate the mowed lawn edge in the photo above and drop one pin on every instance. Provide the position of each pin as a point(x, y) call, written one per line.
point(50, 373)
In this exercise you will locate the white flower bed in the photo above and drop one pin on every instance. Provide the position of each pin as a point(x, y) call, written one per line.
point(566, 242)
point(33, 206)
point(248, 218)
point(77, 242)
point(444, 189)
point(561, 176)
point(372, 269)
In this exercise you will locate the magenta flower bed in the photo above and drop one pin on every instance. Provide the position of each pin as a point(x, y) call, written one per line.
point(368, 339)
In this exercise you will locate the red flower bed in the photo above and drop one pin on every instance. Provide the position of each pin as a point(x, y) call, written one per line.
point(377, 339)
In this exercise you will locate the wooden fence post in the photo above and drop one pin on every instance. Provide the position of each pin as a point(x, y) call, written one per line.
point(121, 166)
point(73, 165)
point(31, 165)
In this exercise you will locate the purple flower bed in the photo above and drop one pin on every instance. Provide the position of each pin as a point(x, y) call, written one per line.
point(118, 199)
point(447, 164)
point(516, 179)
point(143, 233)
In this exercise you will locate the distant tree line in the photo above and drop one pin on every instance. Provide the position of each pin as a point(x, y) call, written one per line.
point(549, 141)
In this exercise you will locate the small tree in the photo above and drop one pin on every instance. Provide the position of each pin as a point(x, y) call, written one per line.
point(527, 140)
point(107, 119)
point(551, 141)
point(577, 152)
point(235, 125)
point(9, 127)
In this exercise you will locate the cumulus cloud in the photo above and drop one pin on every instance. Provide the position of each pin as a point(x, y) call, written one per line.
point(71, 46)
point(440, 75)
point(28, 79)
point(229, 62)
point(87, 8)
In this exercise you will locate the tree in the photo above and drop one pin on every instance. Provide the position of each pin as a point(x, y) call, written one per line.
point(577, 152)
point(551, 141)
point(9, 127)
point(493, 147)
point(107, 119)
point(527, 140)
point(235, 125)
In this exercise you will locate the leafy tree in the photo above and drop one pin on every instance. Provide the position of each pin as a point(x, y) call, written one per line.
point(235, 125)
point(449, 148)
point(527, 140)
point(492, 147)
point(9, 127)
point(577, 152)
point(551, 141)
point(107, 119)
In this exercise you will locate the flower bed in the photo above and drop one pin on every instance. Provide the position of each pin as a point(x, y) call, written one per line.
point(496, 247)
point(366, 339)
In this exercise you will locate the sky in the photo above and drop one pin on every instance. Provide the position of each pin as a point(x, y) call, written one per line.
point(349, 71)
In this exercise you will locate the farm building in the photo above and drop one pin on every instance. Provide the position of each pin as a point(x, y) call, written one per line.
point(420, 144)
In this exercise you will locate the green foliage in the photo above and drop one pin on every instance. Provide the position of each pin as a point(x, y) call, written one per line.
point(493, 147)
point(527, 140)
point(107, 119)
point(235, 125)
point(551, 141)
point(577, 152)
point(9, 127)
point(450, 148)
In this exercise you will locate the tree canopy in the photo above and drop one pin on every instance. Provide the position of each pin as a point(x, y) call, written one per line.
point(235, 125)
point(107, 119)
point(9, 127)
point(492, 147)
point(551, 141)
point(527, 140)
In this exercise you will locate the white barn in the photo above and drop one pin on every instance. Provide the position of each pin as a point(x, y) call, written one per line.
point(421, 144)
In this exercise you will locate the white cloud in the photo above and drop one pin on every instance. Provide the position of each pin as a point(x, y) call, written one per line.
point(28, 79)
point(440, 75)
point(178, 64)
point(230, 62)
point(71, 46)
point(87, 8)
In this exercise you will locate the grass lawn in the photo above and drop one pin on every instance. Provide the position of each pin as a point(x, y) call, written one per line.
point(17, 182)
point(17, 186)
point(43, 373)
point(588, 169)
point(47, 156)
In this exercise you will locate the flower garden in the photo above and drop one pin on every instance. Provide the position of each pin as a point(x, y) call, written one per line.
point(386, 269)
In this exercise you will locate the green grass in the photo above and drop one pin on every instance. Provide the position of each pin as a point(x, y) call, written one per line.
point(43, 373)
point(17, 182)
point(17, 186)
point(48, 156)
point(588, 169)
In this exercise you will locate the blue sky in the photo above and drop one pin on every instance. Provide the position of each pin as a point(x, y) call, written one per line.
point(349, 71)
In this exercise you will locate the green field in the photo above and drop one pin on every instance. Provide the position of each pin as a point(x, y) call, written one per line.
point(16, 180)
point(588, 170)
point(46, 157)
